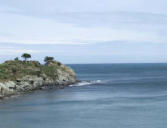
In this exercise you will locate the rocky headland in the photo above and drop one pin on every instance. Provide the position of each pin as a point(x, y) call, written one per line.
point(18, 76)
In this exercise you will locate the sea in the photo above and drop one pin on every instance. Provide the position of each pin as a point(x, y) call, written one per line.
point(108, 96)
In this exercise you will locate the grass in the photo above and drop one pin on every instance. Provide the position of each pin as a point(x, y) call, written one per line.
point(12, 70)
point(50, 71)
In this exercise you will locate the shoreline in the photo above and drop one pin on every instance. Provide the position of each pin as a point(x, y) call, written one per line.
point(43, 87)
point(23, 76)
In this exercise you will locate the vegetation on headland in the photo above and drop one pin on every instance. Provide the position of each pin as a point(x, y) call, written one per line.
point(47, 59)
point(17, 76)
point(15, 69)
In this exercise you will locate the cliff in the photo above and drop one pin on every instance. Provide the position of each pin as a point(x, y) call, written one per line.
point(23, 76)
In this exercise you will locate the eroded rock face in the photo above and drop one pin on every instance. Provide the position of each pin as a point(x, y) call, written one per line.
point(7, 88)
point(60, 75)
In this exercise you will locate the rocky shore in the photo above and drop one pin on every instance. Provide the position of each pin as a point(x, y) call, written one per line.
point(24, 76)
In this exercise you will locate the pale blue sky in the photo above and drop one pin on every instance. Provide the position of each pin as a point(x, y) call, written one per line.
point(85, 31)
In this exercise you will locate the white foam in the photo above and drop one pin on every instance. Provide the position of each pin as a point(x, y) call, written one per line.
point(83, 83)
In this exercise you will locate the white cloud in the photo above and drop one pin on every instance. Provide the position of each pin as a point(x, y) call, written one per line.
point(76, 23)
point(30, 30)
point(15, 51)
point(87, 5)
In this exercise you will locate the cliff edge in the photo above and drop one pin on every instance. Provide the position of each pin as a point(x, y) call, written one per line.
point(22, 76)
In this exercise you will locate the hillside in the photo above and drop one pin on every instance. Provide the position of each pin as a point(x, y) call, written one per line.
point(21, 76)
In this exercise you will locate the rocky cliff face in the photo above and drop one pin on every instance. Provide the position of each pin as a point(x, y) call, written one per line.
point(18, 76)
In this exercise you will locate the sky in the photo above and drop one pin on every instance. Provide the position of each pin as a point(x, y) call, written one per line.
point(85, 31)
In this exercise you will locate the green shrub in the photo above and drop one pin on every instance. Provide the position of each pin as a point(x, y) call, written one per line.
point(49, 71)
point(59, 64)
point(48, 58)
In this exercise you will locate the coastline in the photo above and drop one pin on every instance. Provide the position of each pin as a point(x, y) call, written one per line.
point(9, 92)
point(36, 76)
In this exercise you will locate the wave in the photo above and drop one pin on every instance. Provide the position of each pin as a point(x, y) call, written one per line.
point(92, 82)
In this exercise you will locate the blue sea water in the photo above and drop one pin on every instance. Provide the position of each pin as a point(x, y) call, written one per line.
point(109, 96)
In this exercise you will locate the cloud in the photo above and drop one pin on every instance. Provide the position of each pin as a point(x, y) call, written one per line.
point(7, 50)
point(51, 27)
point(100, 52)
point(84, 28)
point(87, 5)
point(79, 30)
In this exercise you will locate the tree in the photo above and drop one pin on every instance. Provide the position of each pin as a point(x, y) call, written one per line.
point(16, 59)
point(26, 56)
point(48, 58)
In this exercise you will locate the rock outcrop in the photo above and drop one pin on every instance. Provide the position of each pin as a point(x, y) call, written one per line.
point(18, 76)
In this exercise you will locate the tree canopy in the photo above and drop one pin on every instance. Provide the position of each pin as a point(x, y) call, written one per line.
point(26, 56)
point(48, 58)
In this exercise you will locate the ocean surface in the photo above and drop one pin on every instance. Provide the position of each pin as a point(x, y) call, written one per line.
point(109, 96)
